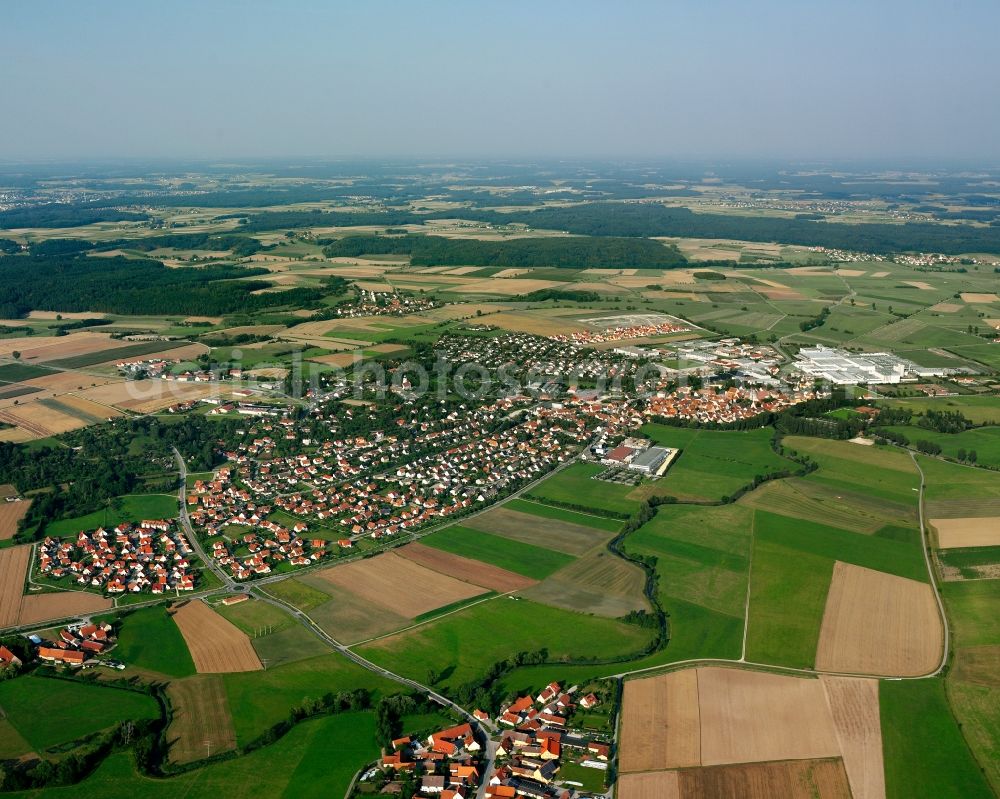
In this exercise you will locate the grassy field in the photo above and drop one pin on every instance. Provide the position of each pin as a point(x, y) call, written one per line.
point(149, 639)
point(701, 554)
point(925, 755)
point(712, 464)
point(295, 592)
point(531, 561)
point(133, 508)
point(49, 712)
point(879, 472)
point(564, 515)
point(252, 616)
point(787, 596)
point(574, 486)
point(985, 441)
point(317, 758)
point(260, 699)
point(462, 646)
point(979, 409)
point(288, 646)
point(974, 611)
point(904, 558)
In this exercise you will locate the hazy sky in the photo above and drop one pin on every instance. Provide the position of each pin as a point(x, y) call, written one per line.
point(771, 78)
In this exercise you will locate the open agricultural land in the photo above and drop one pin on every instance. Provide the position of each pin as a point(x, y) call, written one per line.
point(447, 441)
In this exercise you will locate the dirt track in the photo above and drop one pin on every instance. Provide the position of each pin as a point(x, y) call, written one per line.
point(216, 645)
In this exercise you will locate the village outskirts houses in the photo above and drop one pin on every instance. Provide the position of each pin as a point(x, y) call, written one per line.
point(152, 556)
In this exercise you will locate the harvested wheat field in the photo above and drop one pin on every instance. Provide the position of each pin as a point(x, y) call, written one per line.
point(40, 419)
point(10, 514)
point(17, 435)
point(38, 349)
point(598, 583)
point(512, 272)
point(70, 381)
point(566, 537)
point(661, 723)
point(787, 779)
point(749, 716)
point(713, 716)
point(37, 608)
point(465, 569)
point(649, 785)
point(51, 315)
point(201, 720)
point(341, 359)
point(878, 623)
point(185, 352)
point(217, 646)
point(146, 396)
point(947, 307)
point(509, 285)
point(399, 584)
point(13, 567)
point(974, 297)
point(967, 532)
point(86, 409)
point(857, 721)
point(536, 324)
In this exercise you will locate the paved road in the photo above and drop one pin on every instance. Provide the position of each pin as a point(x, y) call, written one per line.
point(306, 621)
point(209, 562)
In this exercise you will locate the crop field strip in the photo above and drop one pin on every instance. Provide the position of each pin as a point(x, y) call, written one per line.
point(216, 645)
point(714, 717)
point(553, 531)
point(397, 584)
point(201, 722)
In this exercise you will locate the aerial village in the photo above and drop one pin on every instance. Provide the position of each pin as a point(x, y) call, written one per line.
point(538, 752)
point(153, 556)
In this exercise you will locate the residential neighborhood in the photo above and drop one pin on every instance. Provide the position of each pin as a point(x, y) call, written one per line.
point(152, 556)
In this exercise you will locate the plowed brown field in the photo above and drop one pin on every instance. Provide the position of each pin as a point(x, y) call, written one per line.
point(36, 608)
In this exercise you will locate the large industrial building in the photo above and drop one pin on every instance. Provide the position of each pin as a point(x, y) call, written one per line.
point(845, 368)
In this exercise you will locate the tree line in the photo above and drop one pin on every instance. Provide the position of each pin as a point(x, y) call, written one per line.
point(571, 252)
point(135, 286)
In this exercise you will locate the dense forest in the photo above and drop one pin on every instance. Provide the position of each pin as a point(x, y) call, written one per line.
point(277, 220)
point(571, 251)
point(652, 219)
point(241, 246)
point(635, 220)
point(100, 463)
point(135, 286)
point(59, 215)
